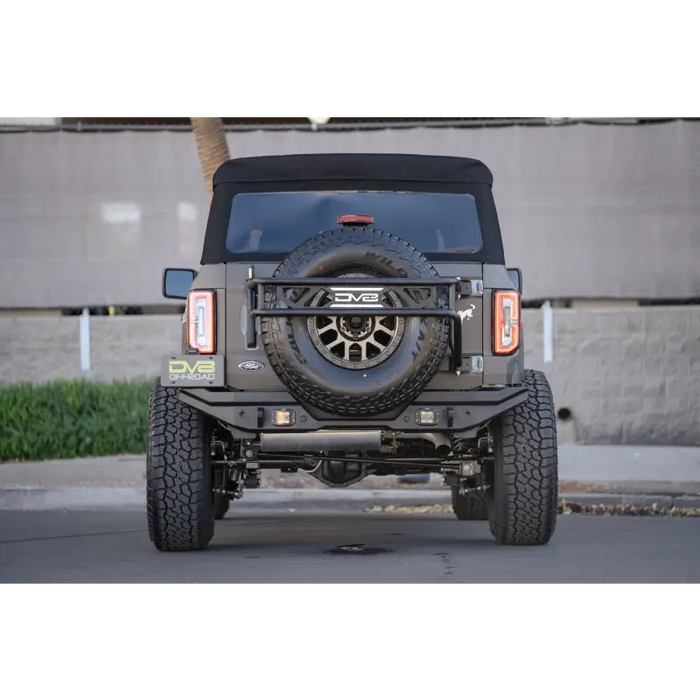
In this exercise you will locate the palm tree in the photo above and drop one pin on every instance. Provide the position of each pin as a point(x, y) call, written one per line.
point(210, 137)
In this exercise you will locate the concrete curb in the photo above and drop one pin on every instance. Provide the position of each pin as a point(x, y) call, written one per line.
point(70, 497)
point(37, 498)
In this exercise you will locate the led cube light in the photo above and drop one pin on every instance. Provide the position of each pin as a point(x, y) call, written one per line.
point(283, 417)
point(427, 416)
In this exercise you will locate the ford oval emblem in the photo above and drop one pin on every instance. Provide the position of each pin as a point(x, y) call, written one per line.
point(251, 366)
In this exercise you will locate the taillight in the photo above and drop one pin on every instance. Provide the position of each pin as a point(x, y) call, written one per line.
point(200, 322)
point(506, 322)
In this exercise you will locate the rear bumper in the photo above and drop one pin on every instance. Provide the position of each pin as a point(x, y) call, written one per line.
point(251, 411)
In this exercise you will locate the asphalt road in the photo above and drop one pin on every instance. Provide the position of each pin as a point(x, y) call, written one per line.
point(282, 547)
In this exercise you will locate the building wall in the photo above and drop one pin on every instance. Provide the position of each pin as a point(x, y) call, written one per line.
point(588, 211)
point(628, 376)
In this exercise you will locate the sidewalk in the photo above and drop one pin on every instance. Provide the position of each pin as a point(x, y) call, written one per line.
point(604, 474)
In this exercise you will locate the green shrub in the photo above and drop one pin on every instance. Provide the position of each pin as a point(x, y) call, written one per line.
point(68, 419)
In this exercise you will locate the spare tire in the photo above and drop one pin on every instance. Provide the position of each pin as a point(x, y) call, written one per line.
point(347, 365)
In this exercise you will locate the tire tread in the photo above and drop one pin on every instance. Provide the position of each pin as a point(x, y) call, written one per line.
point(178, 474)
point(469, 506)
point(276, 346)
point(523, 504)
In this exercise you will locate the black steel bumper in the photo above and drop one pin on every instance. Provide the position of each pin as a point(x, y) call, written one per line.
point(251, 411)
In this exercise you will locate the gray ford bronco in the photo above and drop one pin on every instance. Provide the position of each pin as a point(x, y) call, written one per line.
point(352, 316)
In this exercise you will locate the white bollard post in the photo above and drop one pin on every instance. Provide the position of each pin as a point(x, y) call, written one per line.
point(547, 333)
point(85, 340)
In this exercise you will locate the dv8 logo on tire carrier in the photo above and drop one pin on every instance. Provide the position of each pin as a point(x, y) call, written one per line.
point(357, 297)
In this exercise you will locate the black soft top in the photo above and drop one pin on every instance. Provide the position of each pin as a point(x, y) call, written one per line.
point(352, 171)
point(398, 169)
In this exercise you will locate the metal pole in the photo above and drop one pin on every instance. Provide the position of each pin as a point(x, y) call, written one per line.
point(547, 333)
point(85, 340)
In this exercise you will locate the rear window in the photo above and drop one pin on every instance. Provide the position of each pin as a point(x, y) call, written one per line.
point(275, 223)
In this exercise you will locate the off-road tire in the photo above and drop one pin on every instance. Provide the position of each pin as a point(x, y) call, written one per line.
point(178, 474)
point(469, 506)
point(312, 379)
point(221, 507)
point(523, 494)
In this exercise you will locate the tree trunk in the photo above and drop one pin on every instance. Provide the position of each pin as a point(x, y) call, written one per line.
point(210, 138)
